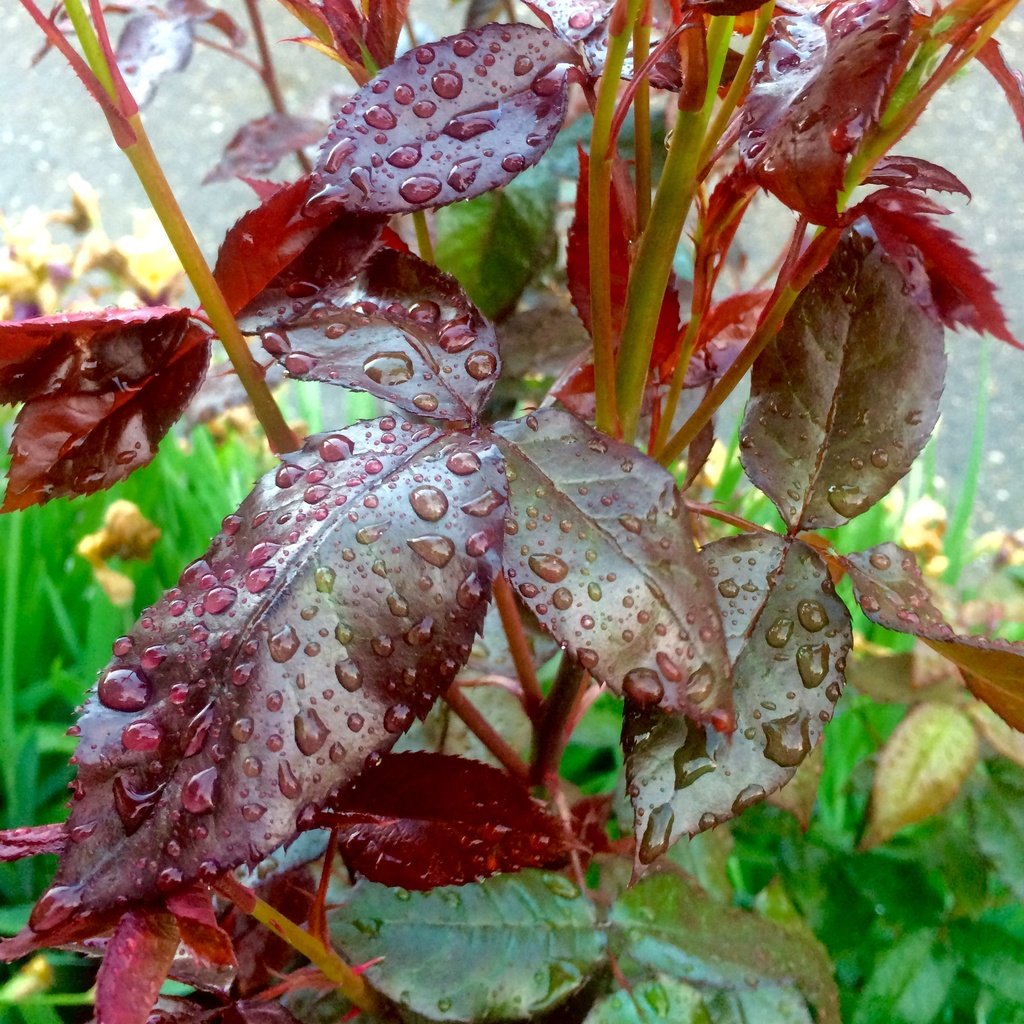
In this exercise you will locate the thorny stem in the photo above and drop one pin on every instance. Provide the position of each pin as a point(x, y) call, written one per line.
point(599, 208)
point(519, 648)
point(485, 732)
point(91, 47)
point(351, 985)
point(268, 74)
point(642, 123)
point(650, 272)
point(549, 740)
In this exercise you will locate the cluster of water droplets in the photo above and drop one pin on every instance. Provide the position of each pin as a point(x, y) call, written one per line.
point(446, 121)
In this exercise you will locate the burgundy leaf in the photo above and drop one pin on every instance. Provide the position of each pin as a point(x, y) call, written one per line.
point(332, 609)
point(100, 391)
point(269, 252)
point(913, 173)
point(402, 330)
point(446, 121)
point(152, 46)
point(573, 20)
point(942, 273)
point(420, 820)
point(32, 840)
point(845, 397)
point(136, 964)
point(192, 909)
point(888, 586)
point(600, 550)
point(1010, 80)
point(818, 87)
point(778, 604)
point(260, 145)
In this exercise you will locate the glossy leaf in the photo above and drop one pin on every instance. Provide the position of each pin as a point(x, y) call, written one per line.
point(401, 330)
point(1010, 80)
point(505, 949)
point(890, 590)
point(421, 820)
point(909, 172)
point(788, 637)
point(332, 610)
point(259, 261)
point(100, 391)
point(573, 20)
point(664, 998)
point(920, 769)
point(260, 145)
point(472, 241)
point(666, 923)
point(135, 966)
point(944, 275)
point(449, 120)
point(599, 548)
point(846, 395)
point(818, 87)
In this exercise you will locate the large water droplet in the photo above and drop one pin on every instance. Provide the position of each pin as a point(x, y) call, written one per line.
point(481, 365)
point(812, 664)
point(691, 760)
point(787, 741)
point(433, 548)
point(349, 675)
point(198, 795)
point(779, 632)
point(847, 500)
point(447, 84)
point(747, 797)
point(812, 616)
point(55, 906)
point(549, 568)
point(643, 686)
point(124, 689)
point(880, 561)
point(283, 644)
point(420, 188)
point(398, 718)
point(729, 588)
point(133, 805)
point(388, 368)
point(484, 504)
point(428, 503)
point(141, 736)
point(658, 834)
point(380, 117)
point(287, 783)
point(310, 731)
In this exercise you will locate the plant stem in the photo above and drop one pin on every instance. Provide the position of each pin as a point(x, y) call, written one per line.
point(599, 210)
point(549, 741)
point(519, 648)
point(653, 265)
point(423, 242)
point(485, 732)
point(91, 49)
point(351, 985)
point(702, 509)
point(151, 175)
point(642, 124)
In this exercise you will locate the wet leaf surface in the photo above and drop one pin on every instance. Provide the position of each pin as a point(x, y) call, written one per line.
point(920, 769)
point(270, 252)
point(663, 998)
point(442, 948)
point(260, 145)
point(788, 637)
point(331, 611)
point(100, 392)
point(573, 20)
point(599, 548)
point(449, 120)
point(421, 820)
point(668, 924)
point(402, 330)
point(817, 88)
point(845, 397)
point(911, 172)
point(890, 591)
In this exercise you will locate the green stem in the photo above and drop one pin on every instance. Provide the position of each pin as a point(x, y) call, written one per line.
point(91, 49)
point(599, 229)
point(650, 272)
point(351, 985)
point(739, 83)
point(725, 385)
point(423, 242)
point(147, 167)
point(671, 402)
point(549, 741)
point(642, 126)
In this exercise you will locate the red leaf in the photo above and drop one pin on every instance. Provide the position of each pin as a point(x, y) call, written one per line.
point(100, 391)
point(32, 840)
point(137, 960)
point(403, 331)
point(819, 85)
point(445, 124)
point(192, 909)
point(259, 146)
point(942, 273)
point(909, 172)
point(261, 251)
point(419, 820)
point(578, 268)
point(1010, 80)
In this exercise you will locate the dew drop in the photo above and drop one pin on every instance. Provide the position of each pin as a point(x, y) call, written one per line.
point(643, 686)
point(404, 157)
point(141, 736)
point(283, 644)
point(323, 579)
point(447, 84)
point(55, 906)
point(847, 500)
point(198, 795)
point(481, 365)
point(348, 674)
point(310, 731)
point(463, 463)
point(880, 561)
point(124, 689)
point(381, 117)
point(812, 616)
point(484, 504)
point(388, 368)
point(631, 523)
point(398, 718)
point(729, 588)
point(779, 632)
point(879, 458)
point(658, 834)
point(562, 599)
point(522, 66)
point(253, 812)
point(787, 741)
point(549, 568)
point(432, 548)
point(220, 599)
point(287, 783)
point(747, 797)
point(242, 729)
point(691, 761)
point(428, 503)
point(420, 188)
point(812, 664)
point(425, 402)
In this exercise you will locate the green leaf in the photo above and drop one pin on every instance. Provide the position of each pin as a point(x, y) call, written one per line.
point(767, 1005)
point(498, 243)
point(997, 813)
point(909, 983)
point(920, 770)
point(508, 948)
point(667, 924)
point(663, 999)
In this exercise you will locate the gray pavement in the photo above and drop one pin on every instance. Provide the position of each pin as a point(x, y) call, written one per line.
point(50, 129)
